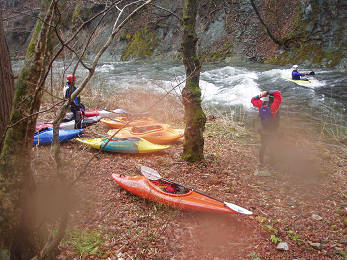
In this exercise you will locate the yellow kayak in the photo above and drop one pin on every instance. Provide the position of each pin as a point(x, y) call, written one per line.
point(300, 82)
point(123, 145)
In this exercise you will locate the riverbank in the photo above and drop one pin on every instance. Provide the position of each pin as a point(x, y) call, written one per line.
point(300, 199)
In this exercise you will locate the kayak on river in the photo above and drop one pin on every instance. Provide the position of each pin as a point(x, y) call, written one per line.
point(304, 83)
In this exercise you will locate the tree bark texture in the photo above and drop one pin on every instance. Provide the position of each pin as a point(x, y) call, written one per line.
point(17, 185)
point(6, 83)
point(194, 116)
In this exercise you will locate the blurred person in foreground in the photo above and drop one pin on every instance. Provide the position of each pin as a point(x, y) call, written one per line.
point(268, 104)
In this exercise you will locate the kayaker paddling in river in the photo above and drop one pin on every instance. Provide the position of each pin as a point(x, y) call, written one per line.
point(296, 75)
point(76, 107)
point(268, 103)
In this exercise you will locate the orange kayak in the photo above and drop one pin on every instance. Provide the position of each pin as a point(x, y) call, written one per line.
point(157, 133)
point(174, 195)
point(119, 122)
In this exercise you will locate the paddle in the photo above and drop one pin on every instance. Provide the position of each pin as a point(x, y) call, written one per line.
point(152, 174)
point(311, 73)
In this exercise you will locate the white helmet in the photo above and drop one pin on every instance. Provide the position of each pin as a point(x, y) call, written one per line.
point(295, 67)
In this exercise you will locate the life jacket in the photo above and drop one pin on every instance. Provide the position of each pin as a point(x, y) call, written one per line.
point(266, 118)
point(76, 104)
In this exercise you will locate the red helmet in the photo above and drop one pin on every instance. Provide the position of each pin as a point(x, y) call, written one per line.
point(70, 77)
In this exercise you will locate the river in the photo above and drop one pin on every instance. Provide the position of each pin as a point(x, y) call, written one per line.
point(225, 87)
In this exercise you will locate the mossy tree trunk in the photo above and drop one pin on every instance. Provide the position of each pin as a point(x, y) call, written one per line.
point(17, 185)
point(195, 119)
point(6, 83)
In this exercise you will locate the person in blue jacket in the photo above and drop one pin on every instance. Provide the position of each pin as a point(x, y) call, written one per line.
point(296, 75)
point(76, 107)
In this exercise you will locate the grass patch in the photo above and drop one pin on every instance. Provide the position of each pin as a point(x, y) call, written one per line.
point(86, 242)
point(271, 228)
point(294, 236)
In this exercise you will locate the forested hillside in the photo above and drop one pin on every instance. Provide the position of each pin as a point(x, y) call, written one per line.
point(301, 31)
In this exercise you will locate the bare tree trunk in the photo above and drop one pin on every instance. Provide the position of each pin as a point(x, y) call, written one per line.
point(17, 185)
point(6, 83)
point(18, 236)
point(273, 38)
point(195, 119)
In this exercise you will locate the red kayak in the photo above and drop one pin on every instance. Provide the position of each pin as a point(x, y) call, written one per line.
point(175, 195)
point(90, 113)
point(97, 112)
point(41, 126)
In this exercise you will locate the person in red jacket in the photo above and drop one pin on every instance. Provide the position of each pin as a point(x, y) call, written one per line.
point(268, 103)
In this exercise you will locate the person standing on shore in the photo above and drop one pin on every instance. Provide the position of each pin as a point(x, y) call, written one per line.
point(268, 103)
point(77, 108)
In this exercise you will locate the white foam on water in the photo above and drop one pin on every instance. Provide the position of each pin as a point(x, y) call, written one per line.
point(105, 68)
point(225, 86)
point(229, 85)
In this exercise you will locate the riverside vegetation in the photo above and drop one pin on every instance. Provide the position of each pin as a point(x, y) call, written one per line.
point(300, 201)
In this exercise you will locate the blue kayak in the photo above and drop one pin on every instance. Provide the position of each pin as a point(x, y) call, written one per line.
point(46, 136)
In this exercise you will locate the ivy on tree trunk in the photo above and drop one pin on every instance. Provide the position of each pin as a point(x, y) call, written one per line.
point(195, 119)
point(6, 83)
point(17, 186)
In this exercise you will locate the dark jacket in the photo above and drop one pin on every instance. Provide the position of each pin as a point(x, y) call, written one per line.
point(76, 104)
point(296, 75)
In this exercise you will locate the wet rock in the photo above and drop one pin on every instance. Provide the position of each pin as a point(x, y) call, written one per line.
point(262, 173)
point(282, 246)
point(316, 217)
point(315, 245)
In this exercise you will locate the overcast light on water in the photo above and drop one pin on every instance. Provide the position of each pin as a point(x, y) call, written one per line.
point(225, 86)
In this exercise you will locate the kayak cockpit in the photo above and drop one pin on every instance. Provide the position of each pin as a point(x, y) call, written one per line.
point(146, 129)
point(168, 187)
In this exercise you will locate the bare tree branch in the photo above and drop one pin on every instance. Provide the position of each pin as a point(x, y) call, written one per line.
point(169, 11)
point(265, 26)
